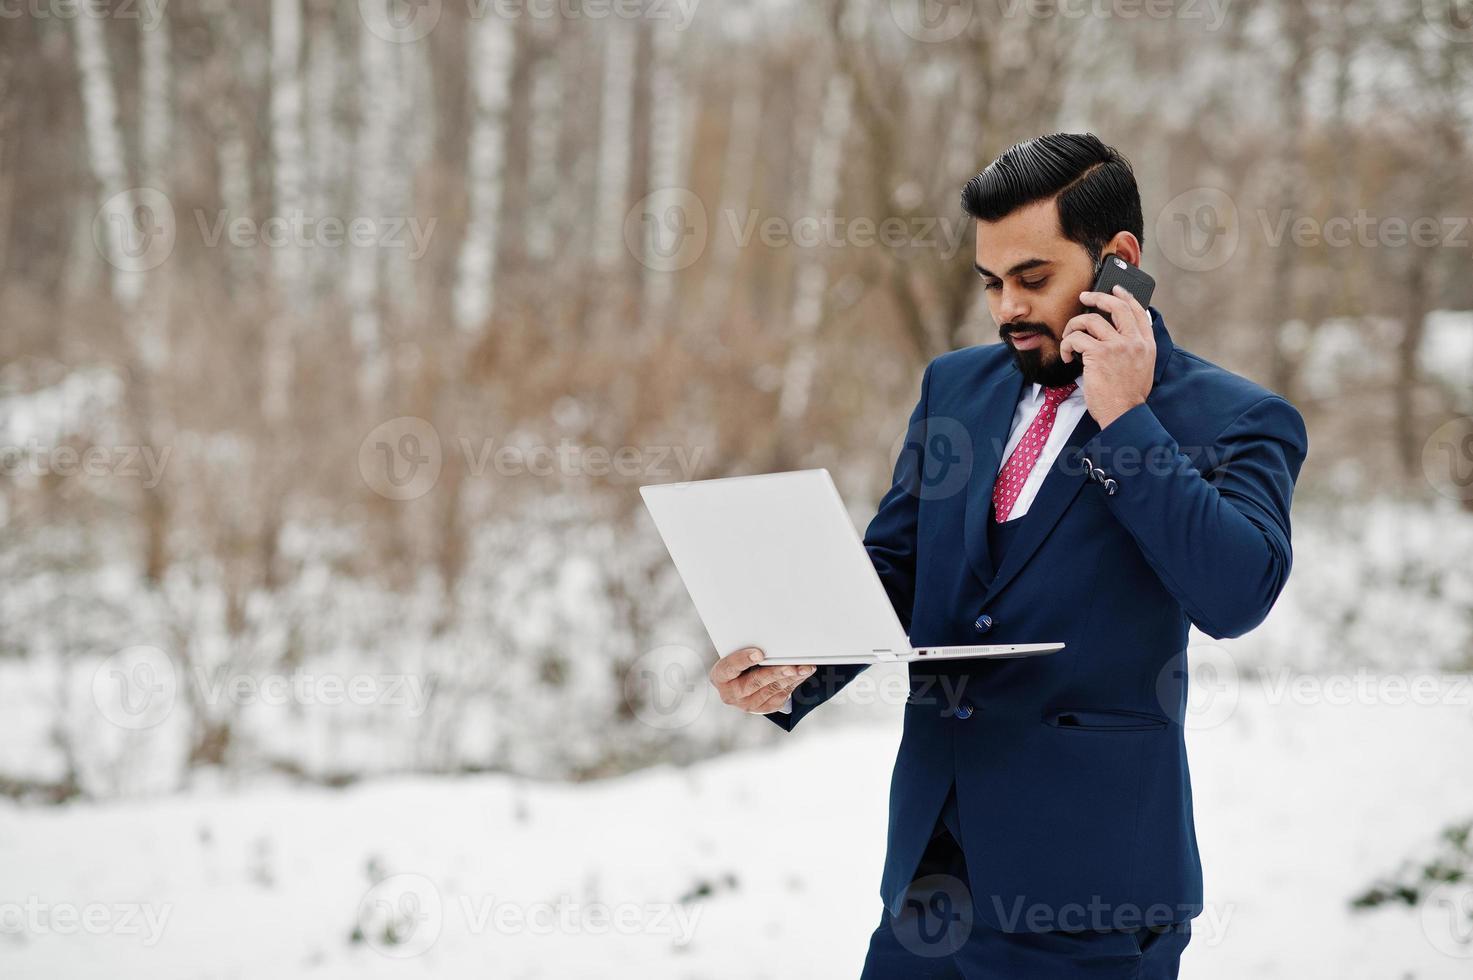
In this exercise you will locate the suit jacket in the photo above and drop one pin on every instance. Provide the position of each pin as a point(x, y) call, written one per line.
point(1071, 769)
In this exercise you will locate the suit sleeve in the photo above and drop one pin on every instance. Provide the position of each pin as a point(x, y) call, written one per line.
point(1218, 536)
point(890, 540)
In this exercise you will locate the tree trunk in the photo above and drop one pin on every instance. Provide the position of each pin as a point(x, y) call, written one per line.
point(491, 49)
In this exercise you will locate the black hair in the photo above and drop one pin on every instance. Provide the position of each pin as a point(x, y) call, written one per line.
point(1095, 187)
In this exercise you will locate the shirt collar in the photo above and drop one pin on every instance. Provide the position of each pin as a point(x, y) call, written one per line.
point(1035, 391)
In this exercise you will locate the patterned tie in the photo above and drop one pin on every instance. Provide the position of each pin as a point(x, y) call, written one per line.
point(1015, 472)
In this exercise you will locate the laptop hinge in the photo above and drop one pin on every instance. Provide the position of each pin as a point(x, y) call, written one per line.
point(886, 654)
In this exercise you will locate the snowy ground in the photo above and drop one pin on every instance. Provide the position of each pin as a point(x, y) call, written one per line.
point(777, 853)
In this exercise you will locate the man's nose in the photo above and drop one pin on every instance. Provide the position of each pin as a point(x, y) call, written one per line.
point(1014, 306)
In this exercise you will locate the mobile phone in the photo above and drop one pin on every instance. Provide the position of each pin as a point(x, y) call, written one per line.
point(1115, 271)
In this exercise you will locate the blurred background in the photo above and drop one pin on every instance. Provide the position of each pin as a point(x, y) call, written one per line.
point(338, 338)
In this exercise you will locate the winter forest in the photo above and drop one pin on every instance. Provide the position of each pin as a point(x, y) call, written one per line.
point(336, 339)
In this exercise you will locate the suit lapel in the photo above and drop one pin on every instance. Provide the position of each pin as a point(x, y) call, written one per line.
point(989, 428)
point(1065, 479)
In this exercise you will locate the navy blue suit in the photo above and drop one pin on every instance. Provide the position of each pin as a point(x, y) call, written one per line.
point(1070, 770)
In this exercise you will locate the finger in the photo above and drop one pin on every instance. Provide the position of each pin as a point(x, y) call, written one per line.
point(1094, 325)
point(1118, 310)
point(1078, 341)
point(756, 679)
point(772, 704)
point(761, 695)
point(778, 689)
point(1140, 316)
point(729, 667)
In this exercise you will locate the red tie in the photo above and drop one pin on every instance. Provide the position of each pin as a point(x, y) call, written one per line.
point(1015, 472)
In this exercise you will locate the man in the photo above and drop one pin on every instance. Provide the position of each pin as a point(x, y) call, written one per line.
point(1117, 490)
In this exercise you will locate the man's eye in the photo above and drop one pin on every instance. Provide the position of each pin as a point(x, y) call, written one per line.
point(1035, 283)
point(991, 284)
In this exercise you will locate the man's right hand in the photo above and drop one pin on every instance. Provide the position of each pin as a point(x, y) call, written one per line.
point(759, 690)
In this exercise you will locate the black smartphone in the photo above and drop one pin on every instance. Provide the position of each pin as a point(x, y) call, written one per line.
point(1115, 271)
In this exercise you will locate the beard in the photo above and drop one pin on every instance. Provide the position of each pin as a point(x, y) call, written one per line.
point(1042, 365)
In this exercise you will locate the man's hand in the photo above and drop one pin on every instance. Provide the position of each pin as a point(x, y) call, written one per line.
point(1119, 357)
point(760, 690)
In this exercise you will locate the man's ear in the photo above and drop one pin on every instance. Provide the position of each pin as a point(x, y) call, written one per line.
point(1127, 246)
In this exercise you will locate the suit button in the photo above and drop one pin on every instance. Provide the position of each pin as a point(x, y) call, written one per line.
point(1111, 486)
point(1088, 463)
point(964, 711)
point(983, 623)
point(1098, 476)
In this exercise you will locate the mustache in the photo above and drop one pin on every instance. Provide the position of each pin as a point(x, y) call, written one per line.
point(1022, 330)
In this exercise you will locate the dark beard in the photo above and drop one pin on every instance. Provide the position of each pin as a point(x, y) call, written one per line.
point(1052, 374)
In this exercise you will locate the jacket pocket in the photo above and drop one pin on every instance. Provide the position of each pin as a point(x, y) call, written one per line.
point(1113, 720)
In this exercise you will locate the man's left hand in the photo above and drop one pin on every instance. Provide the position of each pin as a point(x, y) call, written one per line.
point(1119, 357)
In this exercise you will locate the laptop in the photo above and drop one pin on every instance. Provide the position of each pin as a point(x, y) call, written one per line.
point(774, 561)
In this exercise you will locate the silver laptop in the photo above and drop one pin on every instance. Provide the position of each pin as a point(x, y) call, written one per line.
point(773, 561)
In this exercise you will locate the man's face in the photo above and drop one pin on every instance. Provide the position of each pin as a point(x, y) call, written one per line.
point(1033, 276)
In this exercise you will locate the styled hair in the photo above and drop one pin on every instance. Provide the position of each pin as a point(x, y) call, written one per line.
point(1094, 185)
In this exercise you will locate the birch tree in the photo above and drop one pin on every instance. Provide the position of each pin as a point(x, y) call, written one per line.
point(326, 152)
point(543, 140)
point(289, 179)
point(373, 156)
point(670, 112)
point(491, 46)
point(614, 141)
point(107, 159)
point(824, 171)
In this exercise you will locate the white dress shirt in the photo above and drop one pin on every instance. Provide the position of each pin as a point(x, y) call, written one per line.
point(1071, 410)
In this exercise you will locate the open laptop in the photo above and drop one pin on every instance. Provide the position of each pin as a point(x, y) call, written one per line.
point(773, 561)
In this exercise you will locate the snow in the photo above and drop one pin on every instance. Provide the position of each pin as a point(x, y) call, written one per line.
point(1301, 801)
